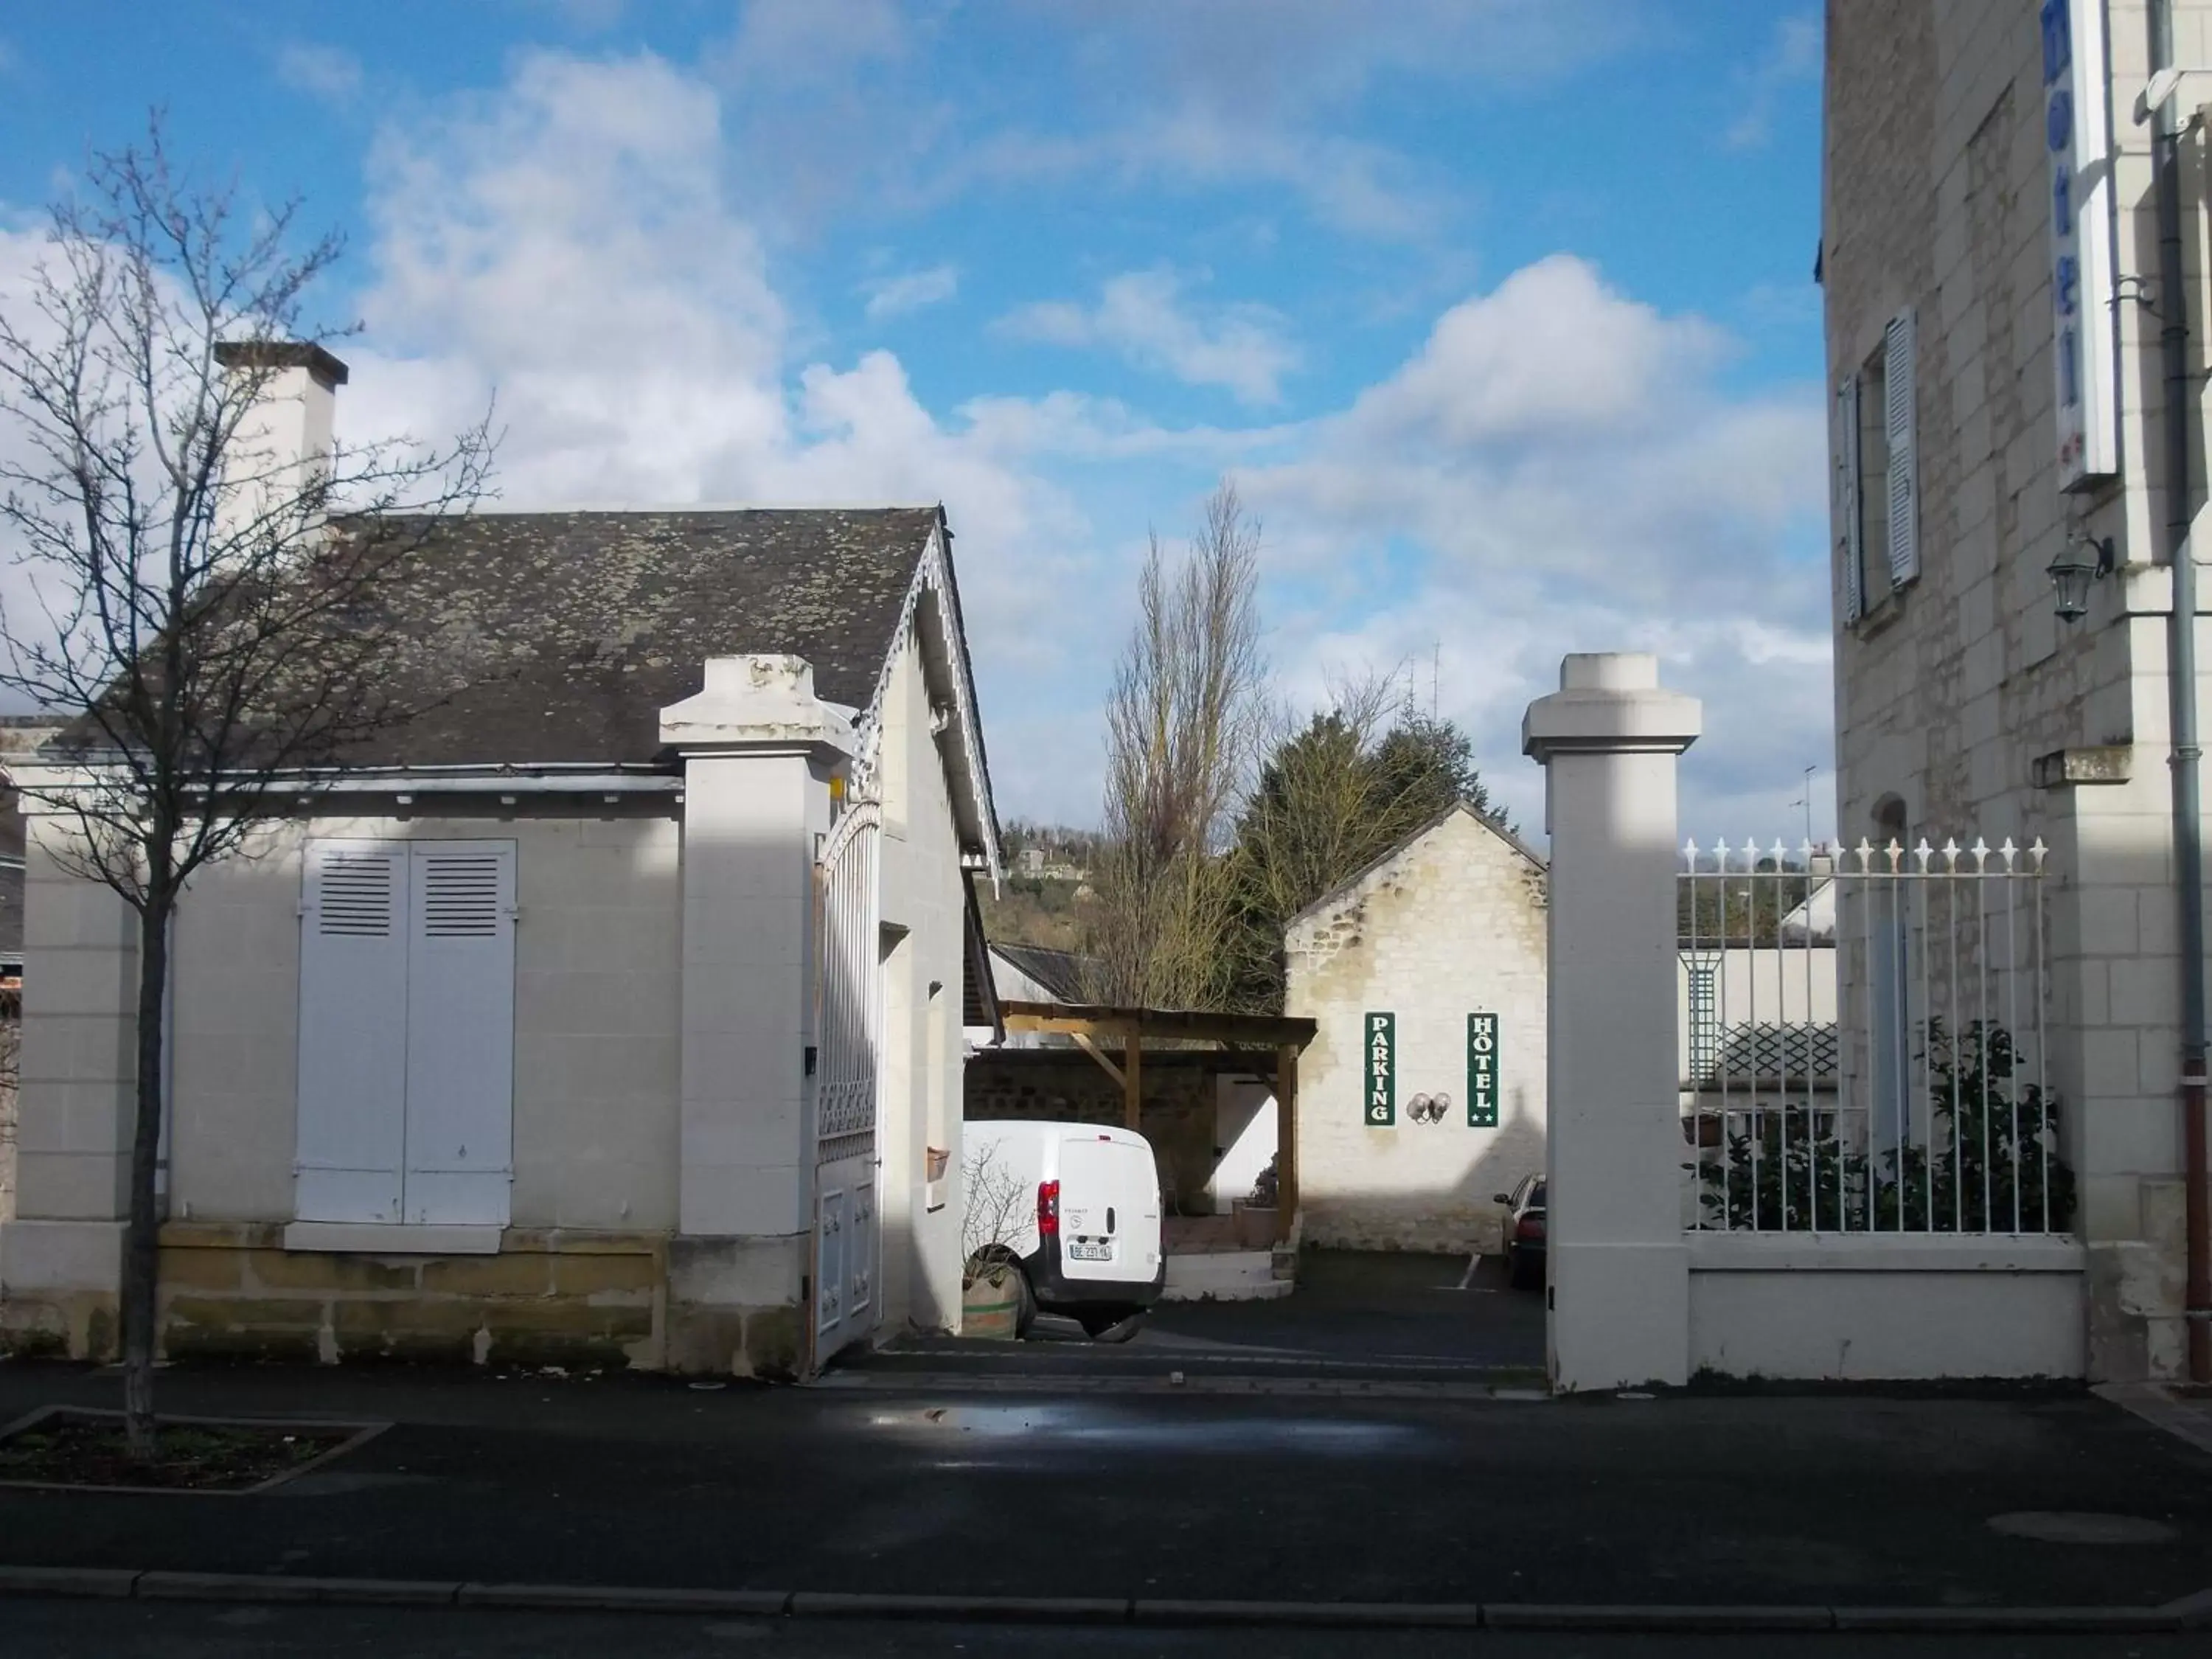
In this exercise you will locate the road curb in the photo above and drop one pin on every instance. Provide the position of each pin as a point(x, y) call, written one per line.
point(1530, 1615)
point(1310, 1615)
point(124, 1583)
point(105, 1583)
point(613, 1598)
point(962, 1609)
point(286, 1586)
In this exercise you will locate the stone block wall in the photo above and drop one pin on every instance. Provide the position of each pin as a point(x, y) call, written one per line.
point(1453, 924)
point(1951, 690)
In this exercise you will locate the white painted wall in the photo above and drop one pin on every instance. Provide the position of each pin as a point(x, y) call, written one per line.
point(925, 918)
point(1608, 739)
point(1452, 924)
point(596, 999)
point(1246, 1124)
point(1891, 1308)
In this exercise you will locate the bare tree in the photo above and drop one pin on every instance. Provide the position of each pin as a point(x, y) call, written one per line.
point(995, 1207)
point(195, 611)
point(1181, 722)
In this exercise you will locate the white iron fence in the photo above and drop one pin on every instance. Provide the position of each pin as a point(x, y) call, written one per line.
point(1864, 1041)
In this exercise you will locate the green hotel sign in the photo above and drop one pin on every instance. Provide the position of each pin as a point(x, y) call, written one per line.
point(1482, 1071)
point(1380, 1041)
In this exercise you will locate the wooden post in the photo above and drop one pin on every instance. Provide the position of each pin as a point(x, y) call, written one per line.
point(1287, 1141)
point(1132, 1076)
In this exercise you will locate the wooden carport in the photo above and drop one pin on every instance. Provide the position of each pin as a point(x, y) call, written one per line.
point(1267, 1043)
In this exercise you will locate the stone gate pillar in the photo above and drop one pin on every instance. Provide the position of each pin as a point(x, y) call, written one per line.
point(1619, 1289)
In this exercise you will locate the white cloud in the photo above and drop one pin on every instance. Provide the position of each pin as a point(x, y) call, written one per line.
point(1140, 316)
point(826, 102)
point(1556, 469)
point(321, 71)
point(1792, 56)
point(815, 40)
point(569, 242)
point(1238, 93)
point(912, 291)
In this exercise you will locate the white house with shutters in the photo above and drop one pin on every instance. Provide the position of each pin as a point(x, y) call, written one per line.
point(608, 1011)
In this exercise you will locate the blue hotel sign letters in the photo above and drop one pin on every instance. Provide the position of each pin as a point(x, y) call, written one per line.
point(2078, 147)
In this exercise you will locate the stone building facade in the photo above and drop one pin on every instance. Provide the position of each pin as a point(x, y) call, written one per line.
point(608, 1009)
point(1981, 426)
point(1449, 925)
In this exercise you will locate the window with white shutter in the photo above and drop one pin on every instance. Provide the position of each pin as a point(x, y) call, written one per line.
point(406, 1032)
point(1851, 549)
point(460, 1033)
point(353, 1031)
point(1900, 421)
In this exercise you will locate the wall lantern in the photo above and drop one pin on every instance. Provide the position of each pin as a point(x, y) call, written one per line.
point(2071, 573)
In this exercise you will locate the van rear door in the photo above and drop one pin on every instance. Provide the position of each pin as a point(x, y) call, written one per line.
point(1110, 1208)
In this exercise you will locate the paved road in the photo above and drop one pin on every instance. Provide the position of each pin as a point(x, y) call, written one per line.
point(58, 1629)
point(1680, 1499)
point(1387, 1318)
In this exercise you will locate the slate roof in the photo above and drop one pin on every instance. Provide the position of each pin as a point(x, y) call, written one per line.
point(587, 624)
point(1060, 972)
point(558, 637)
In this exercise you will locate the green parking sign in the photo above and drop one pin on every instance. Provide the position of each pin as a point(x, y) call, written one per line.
point(1482, 1071)
point(1380, 1041)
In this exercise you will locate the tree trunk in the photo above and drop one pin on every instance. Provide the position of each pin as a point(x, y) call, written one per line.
point(141, 1239)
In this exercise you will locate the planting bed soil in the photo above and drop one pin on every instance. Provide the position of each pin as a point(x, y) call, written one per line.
point(67, 1446)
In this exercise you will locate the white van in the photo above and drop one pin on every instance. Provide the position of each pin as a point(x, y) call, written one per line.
point(1077, 1206)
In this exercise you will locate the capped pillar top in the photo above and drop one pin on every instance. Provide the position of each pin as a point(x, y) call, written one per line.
point(764, 701)
point(1610, 702)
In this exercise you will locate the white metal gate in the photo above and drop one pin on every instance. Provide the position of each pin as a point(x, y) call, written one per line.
point(1865, 1042)
point(848, 1016)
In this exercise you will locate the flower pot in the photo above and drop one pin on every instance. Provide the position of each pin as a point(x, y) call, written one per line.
point(990, 1306)
point(1255, 1226)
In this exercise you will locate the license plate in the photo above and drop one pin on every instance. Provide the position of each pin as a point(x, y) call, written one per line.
point(1090, 1252)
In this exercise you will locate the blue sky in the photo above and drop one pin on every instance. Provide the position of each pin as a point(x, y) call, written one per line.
point(1500, 312)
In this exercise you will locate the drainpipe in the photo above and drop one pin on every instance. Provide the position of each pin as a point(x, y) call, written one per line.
point(2181, 681)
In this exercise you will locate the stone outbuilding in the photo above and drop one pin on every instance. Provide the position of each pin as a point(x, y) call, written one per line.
point(1423, 1093)
point(609, 1009)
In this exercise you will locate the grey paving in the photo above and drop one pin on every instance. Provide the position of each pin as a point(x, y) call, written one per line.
point(61, 1630)
point(644, 1482)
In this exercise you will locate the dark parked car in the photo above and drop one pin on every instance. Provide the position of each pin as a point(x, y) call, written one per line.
point(1524, 1233)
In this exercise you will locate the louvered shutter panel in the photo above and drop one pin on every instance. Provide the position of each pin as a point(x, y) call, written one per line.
point(1851, 540)
point(1898, 421)
point(460, 1033)
point(352, 1031)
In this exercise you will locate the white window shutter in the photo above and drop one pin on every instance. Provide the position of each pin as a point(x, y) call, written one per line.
point(1899, 419)
point(460, 1032)
point(1843, 447)
point(353, 1031)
